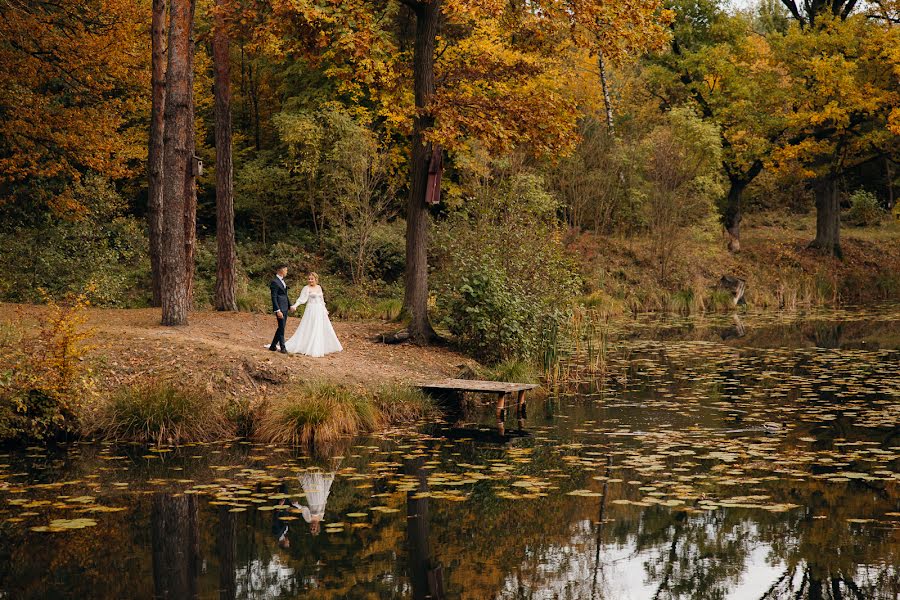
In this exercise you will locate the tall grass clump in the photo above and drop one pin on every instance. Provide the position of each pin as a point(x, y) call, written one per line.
point(513, 371)
point(160, 412)
point(315, 413)
point(403, 404)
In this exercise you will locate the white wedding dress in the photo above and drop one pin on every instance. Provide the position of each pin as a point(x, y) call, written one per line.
point(315, 336)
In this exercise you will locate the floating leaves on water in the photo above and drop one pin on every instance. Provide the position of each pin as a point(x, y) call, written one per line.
point(65, 524)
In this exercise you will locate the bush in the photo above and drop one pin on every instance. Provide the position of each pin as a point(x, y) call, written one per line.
point(865, 211)
point(45, 382)
point(99, 250)
point(160, 412)
point(489, 316)
point(502, 272)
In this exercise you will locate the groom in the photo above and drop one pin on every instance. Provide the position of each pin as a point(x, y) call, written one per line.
point(280, 305)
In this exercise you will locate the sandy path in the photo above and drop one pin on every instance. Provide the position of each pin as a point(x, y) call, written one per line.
point(227, 350)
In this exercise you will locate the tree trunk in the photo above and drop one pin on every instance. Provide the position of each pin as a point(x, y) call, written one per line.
point(190, 190)
point(731, 213)
point(416, 294)
point(606, 99)
point(155, 149)
point(828, 217)
point(175, 541)
point(178, 184)
point(889, 175)
point(225, 255)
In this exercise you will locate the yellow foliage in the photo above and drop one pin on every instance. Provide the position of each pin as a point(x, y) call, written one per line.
point(44, 380)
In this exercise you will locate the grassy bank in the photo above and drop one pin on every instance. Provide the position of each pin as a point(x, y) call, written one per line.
point(622, 274)
point(312, 414)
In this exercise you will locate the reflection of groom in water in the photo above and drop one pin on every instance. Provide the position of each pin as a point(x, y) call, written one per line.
point(280, 306)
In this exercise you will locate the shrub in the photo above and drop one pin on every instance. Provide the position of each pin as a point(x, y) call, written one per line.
point(502, 272)
point(159, 412)
point(864, 209)
point(99, 250)
point(488, 315)
point(45, 382)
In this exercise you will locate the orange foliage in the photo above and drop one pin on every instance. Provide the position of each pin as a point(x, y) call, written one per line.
point(73, 80)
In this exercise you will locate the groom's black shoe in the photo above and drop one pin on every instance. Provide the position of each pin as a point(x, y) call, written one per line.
point(271, 349)
point(283, 351)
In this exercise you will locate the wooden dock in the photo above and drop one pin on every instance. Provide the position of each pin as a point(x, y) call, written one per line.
point(453, 389)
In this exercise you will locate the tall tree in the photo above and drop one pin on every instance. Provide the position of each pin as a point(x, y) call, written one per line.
point(415, 298)
point(179, 199)
point(497, 81)
point(843, 90)
point(225, 255)
point(155, 146)
point(730, 75)
point(500, 84)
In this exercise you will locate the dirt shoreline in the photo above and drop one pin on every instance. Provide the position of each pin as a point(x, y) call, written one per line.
point(227, 351)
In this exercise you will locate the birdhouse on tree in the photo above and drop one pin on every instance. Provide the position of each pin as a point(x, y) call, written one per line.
point(435, 168)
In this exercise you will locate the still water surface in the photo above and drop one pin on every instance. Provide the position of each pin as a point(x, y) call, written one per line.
point(717, 458)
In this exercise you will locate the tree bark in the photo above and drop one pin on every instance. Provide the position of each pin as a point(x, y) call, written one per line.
point(607, 102)
point(828, 217)
point(731, 214)
point(155, 149)
point(225, 255)
point(179, 202)
point(416, 292)
point(175, 541)
point(190, 190)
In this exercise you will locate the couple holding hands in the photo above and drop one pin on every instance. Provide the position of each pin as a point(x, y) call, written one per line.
point(315, 336)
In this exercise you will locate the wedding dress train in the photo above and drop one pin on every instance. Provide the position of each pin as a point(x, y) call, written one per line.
point(315, 336)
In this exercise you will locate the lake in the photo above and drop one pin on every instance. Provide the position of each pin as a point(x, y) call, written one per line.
point(752, 457)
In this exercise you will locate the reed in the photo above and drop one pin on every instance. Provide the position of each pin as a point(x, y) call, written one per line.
point(403, 404)
point(159, 412)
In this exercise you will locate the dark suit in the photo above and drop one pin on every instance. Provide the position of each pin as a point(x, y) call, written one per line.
point(280, 302)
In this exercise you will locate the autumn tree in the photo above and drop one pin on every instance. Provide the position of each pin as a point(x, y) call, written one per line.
point(155, 145)
point(225, 255)
point(498, 81)
point(844, 93)
point(179, 193)
point(72, 92)
point(730, 75)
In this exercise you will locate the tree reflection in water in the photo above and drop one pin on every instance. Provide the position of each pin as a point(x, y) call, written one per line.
point(176, 546)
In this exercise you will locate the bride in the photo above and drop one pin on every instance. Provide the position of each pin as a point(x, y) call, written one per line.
point(315, 336)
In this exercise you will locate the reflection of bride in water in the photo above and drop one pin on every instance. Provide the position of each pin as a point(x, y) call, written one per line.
point(316, 487)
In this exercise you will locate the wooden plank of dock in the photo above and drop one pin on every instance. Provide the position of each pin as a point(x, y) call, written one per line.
point(502, 389)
